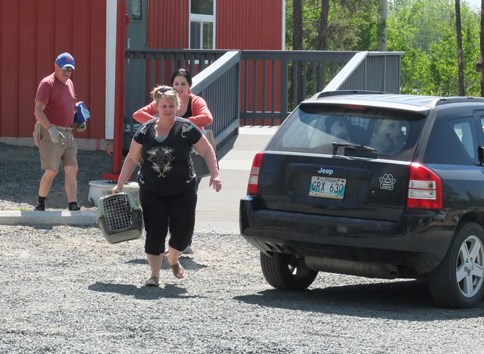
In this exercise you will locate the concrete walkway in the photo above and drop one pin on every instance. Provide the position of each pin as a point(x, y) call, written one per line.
point(215, 211)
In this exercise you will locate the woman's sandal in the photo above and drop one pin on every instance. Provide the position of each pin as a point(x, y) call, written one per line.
point(153, 281)
point(178, 270)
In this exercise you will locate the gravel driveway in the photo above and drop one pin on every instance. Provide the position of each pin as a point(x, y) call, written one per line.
point(65, 289)
point(20, 174)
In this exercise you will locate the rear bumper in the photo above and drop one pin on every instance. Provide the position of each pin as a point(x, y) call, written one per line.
point(416, 243)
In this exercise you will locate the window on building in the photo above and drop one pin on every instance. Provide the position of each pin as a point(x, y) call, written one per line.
point(202, 24)
point(136, 10)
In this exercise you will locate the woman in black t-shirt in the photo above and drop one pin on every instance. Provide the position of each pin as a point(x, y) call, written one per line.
point(161, 147)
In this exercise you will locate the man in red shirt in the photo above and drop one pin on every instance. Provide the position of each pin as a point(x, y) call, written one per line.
point(54, 112)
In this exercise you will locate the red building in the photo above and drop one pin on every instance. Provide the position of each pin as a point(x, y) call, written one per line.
point(96, 32)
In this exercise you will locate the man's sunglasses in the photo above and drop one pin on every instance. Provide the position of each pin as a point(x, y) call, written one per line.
point(67, 69)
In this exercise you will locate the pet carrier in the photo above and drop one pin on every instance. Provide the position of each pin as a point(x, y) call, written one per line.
point(119, 217)
point(201, 168)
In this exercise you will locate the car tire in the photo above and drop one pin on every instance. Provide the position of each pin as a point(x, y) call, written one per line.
point(458, 282)
point(285, 272)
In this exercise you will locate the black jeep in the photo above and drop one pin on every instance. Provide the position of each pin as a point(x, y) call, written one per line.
point(376, 185)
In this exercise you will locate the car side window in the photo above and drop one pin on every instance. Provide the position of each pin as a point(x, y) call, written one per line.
point(463, 131)
point(481, 122)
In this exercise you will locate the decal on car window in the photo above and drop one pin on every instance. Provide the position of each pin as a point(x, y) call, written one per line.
point(387, 181)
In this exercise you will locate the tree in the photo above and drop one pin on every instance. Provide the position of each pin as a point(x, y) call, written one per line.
point(460, 63)
point(323, 25)
point(382, 25)
point(297, 41)
point(481, 67)
point(297, 27)
point(425, 31)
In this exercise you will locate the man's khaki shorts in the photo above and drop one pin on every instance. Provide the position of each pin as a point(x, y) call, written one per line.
point(52, 155)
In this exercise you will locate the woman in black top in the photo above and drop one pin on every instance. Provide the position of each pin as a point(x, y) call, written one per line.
point(167, 180)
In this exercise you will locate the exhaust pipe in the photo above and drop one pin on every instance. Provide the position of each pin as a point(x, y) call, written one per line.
point(364, 269)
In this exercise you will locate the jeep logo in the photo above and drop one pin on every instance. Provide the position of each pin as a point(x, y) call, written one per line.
point(325, 171)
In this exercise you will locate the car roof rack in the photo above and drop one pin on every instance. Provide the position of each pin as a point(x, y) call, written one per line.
point(457, 99)
point(419, 100)
point(347, 92)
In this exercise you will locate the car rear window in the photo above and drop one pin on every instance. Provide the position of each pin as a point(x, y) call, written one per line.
point(316, 128)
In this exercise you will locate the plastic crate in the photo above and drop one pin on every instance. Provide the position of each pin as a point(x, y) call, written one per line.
point(120, 218)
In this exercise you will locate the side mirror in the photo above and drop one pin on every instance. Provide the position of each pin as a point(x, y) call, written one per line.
point(480, 154)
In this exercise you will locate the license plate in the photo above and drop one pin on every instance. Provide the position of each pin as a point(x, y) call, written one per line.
point(327, 187)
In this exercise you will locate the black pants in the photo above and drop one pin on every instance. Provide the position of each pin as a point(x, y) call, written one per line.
point(175, 212)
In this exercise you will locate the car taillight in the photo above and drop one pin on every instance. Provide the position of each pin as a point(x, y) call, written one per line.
point(253, 186)
point(424, 188)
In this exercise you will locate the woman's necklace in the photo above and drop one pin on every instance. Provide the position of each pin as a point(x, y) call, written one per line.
point(184, 100)
point(182, 109)
point(162, 132)
point(160, 139)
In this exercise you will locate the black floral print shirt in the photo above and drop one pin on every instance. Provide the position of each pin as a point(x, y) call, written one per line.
point(166, 166)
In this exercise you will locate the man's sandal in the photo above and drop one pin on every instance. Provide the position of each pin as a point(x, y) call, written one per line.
point(153, 281)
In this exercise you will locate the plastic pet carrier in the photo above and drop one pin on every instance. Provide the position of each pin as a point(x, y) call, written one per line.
point(201, 168)
point(120, 217)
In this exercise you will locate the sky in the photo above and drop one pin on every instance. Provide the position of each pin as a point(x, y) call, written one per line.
point(475, 4)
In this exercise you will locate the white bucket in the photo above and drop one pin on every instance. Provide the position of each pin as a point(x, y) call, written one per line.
point(98, 189)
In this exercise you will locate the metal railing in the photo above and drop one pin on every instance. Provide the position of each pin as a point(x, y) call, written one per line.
point(256, 87)
point(217, 84)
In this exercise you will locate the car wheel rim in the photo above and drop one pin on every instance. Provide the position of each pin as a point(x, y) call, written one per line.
point(292, 266)
point(470, 266)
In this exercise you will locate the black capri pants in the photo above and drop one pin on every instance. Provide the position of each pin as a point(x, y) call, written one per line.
point(162, 213)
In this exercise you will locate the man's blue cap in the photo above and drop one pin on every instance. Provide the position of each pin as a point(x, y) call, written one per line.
point(65, 60)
